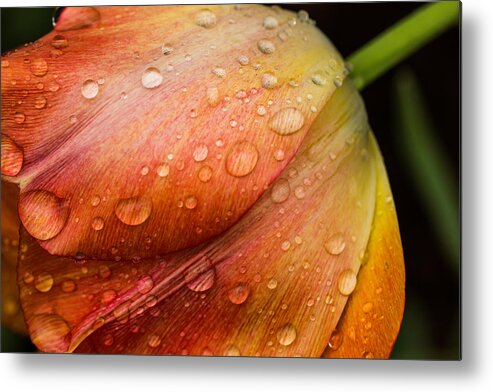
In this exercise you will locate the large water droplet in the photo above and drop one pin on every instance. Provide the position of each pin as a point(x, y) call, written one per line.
point(43, 214)
point(242, 159)
point(152, 78)
point(239, 293)
point(335, 245)
point(43, 282)
point(134, 210)
point(39, 67)
point(49, 332)
point(347, 282)
point(286, 335)
point(90, 89)
point(12, 157)
point(287, 121)
point(201, 277)
point(280, 191)
point(266, 46)
point(206, 19)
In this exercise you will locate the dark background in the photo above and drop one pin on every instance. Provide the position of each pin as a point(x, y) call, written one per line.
point(431, 325)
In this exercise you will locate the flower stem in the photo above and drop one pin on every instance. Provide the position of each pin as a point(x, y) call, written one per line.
point(401, 40)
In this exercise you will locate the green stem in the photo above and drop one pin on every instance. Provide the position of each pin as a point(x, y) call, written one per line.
point(401, 40)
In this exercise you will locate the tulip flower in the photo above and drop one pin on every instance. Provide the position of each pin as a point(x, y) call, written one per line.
point(197, 180)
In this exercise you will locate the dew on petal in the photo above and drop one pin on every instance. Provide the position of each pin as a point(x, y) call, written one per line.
point(134, 210)
point(206, 19)
point(191, 202)
point(270, 22)
point(59, 41)
point(287, 121)
point(90, 89)
point(43, 282)
point(266, 46)
point(286, 335)
point(39, 67)
point(163, 170)
point(205, 174)
point(347, 282)
point(145, 284)
point(97, 223)
point(43, 214)
point(49, 332)
point(239, 293)
point(336, 244)
point(154, 341)
point(12, 157)
point(269, 81)
point(242, 159)
point(152, 78)
point(200, 153)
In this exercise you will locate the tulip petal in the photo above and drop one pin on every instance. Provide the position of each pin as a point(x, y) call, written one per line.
point(12, 316)
point(139, 131)
point(275, 284)
point(371, 321)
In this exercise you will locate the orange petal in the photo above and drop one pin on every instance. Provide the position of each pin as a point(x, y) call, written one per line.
point(275, 284)
point(145, 130)
point(12, 316)
point(371, 321)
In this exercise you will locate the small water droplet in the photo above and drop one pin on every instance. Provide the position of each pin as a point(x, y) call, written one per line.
point(219, 72)
point(191, 202)
point(201, 277)
point(243, 60)
point(154, 341)
point(97, 223)
point(12, 157)
point(152, 78)
point(213, 96)
point(19, 117)
point(239, 293)
point(72, 119)
point(335, 340)
point(318, 79)
point(43, 282)
point(206, 19)
point(145, 284)
point(286, 335)
point(280, 191)
point(335, 245)
point(266, 46)
point(145, 171)
point(232, 351)
point(95, 200)
point(39, 102)
point(59, 41)
point(242, 159)
point(39, 67)
point(367, 307)
point(68, 286)
point(166, 49)
point(347, 282)
point(287, 121)
point(285, 245)
point(90, 89)
point(261, 110)
point(270, 22)
point(205, 173)
point(269, 81)
point(43, 214)
point(303, 16)
point(134, 210)
point(272, 284)
point(28, 278)
point(299, 192)
point(163, 170)
point(338, 81)
point(200, 153)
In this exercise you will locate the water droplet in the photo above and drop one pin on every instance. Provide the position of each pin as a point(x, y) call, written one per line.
point(134, 210)
point(72, 119)
point(335, 245)
point(154, 341)
point(12, 157)
point(368, 355)
point(367, 307)
point(239, 293)
point(206, 19)
point(59, 42)
point(68, 286)
point(266, 46)
point(232, 351)
point(19, 117)
point(191, 202)
point(261, 110)
point(43, 214)
point(95, 200)
point(39, 102)
point(163, 170)
point(166, 49)
point(5, 63)
point(287, 121)
point(145, 170)
point(49, 332)
point(213, 96)
point(268, 81)
point(243, 60)
point(152, 78)
point(28, 278)
point(285, 245)
point(299, 192)
point(219, 72)
point(104, 271)
point(97, 223)
point(39, 67)
point(280, 191)
point(90, 89)
point(270, 23)
point(108, 296)
point(335, 340)
point(303, 16)
point(338, 81)
point(200, 153)
point(319, 80)
point(205, 173)
point(201, 277)
point(43, 282)
point(242, 159)
point(279, 155)
point(145, 284)
point(347, 282)
point(286, 335)
point(272, 284)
